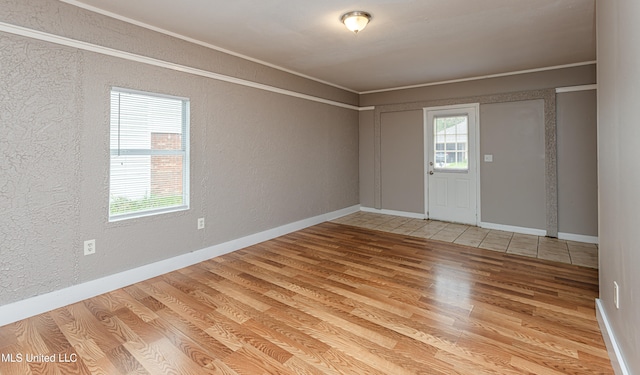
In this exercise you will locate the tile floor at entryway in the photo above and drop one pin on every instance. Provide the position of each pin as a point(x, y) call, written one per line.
point(578, 253)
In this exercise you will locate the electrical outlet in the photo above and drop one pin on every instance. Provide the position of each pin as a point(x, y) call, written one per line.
point(89, 247)
point(616, 295)
point(201, 223)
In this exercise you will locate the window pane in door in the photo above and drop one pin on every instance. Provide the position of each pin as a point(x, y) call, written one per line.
point(451, 134)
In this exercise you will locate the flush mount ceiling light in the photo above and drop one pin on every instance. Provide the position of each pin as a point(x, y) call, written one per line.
point(356, 20)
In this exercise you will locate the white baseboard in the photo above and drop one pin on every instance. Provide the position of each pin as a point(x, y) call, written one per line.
point(577, 237)
point(511, 228)
point(339, 213)
point(615, 355)
point(383, 211)
point(46, 302)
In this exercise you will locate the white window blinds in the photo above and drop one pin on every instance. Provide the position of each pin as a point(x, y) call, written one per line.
point(149, 138)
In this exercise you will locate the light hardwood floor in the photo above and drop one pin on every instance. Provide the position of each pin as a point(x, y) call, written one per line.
point(330, 299)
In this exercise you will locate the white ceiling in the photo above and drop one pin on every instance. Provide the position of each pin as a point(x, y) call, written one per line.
point(408, 42)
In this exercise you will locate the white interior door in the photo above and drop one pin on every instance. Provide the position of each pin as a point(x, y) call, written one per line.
point(451, 165)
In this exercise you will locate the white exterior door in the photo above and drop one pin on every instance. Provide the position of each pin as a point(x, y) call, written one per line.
point(451, 165)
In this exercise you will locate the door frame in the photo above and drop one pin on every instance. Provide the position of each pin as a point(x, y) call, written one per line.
point(476, 154)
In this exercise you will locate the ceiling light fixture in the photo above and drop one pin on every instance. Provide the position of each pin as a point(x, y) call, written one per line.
point(356, 21)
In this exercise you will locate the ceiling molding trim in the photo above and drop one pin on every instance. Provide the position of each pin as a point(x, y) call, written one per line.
point(199, 42)
point(497, 75)
point(560, 90)
point(64, 41)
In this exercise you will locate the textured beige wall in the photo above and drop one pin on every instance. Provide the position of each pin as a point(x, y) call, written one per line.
point(366, 139)
point(489, 91)
point(513, 185)
point(547, 96)
point(259, 160)
point(69, 21)
point(402, 161)
point(40, 131)
point(577, 163)
point(581, 75)
point(618, 25)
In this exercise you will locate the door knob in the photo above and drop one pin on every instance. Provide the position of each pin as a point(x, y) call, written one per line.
point(430, 172)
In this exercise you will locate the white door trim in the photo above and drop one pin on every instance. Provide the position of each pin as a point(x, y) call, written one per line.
point(426, 128)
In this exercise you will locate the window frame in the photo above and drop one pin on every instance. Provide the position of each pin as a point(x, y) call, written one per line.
point(184, 152)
